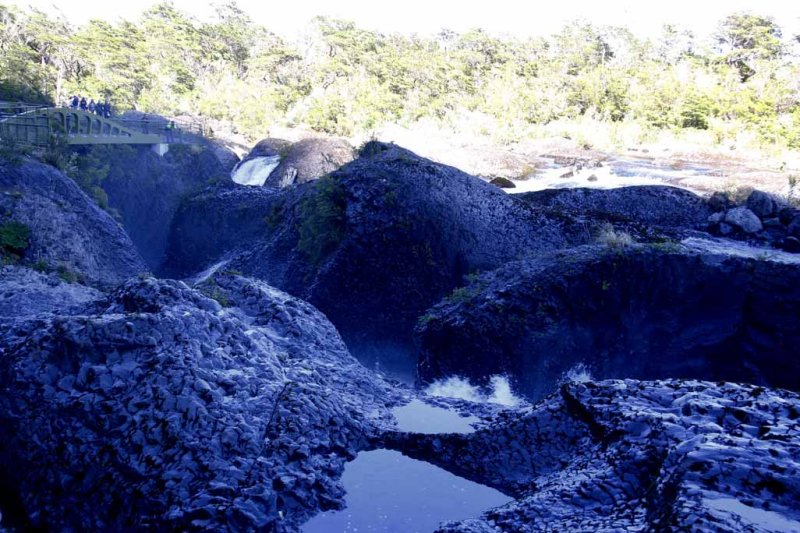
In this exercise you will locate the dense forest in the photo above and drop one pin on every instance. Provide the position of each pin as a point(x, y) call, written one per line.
point(342, 79)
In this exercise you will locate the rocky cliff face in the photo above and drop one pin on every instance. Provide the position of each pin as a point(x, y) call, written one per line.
point(161, 407)
point(646, 312)
point(372, 246)
point(633, 456)
point(147, 190)
point(68, 231)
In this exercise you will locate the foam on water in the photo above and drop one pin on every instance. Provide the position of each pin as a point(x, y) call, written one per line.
point(254, 171)
point(499, 390)
point(620, 172)
point(577, 374)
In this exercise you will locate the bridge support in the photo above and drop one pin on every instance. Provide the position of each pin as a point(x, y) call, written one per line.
point(160, 149)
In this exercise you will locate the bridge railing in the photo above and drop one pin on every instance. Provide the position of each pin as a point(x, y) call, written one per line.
point(33, 124)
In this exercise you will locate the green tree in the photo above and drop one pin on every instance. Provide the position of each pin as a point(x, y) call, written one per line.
point(743, 38)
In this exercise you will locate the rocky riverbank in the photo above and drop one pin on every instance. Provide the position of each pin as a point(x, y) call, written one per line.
point(236, 398)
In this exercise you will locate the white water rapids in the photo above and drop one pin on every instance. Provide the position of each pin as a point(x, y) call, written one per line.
point(254, 171)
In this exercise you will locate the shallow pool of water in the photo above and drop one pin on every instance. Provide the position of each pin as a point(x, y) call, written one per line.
point(389, 492)
point(419, 417)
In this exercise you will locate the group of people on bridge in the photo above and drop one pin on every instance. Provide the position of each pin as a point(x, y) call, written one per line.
point(102, 109)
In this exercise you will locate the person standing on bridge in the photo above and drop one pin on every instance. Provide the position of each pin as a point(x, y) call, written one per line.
point(169, 129)
point(74, 101)
point(83, 103)
point(92, 106)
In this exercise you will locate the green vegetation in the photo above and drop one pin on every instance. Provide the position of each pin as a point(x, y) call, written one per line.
point(613, 238)
point(323, 219)
point(739, 82)
point(67, 275)
point(14, 239)
point(213, 291)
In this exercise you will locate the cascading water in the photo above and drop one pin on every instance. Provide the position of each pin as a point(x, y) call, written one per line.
point(254, 171)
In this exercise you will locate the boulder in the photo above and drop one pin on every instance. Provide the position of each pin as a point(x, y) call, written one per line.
point(651, 205)
point(794, 227)
point(790, 244)
point(744, 219)
point(644, 312)
point(787, 214)
point(310, 159)
point(68, 231)
point(632, 456)
point(231, 407)
point(761, 203)
point(268, 147)
point(503, 183)
point(719, 201)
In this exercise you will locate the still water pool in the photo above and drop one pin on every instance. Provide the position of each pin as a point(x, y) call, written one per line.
point(389, 492)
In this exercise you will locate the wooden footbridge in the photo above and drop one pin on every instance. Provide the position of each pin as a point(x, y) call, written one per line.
point(35, 125)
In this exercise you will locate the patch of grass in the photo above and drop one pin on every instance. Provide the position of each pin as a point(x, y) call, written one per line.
point(425, 319)
point(323, 220)
point(613, 238)
point(41, 266)
point(67, 275)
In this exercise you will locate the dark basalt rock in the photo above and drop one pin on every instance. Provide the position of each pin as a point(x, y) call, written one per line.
point(503, 183)
point(372, 246)
point(159, 408)
point(651, 205)
point(761, 203)
point(633, 456)
point(268, 147)
point(310, 159)
point(645, 312)
point(147, 189)
point(25, 292)
point(68, 231)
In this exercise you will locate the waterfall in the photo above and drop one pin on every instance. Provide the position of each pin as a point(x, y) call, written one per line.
point(254, 171)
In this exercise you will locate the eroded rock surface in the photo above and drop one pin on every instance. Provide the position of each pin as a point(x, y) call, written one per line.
point(372, 246)
point(646, 312)
point(633, 456)
point(309, 159)
point(147, 190)
point(68, 231)
point(164, 408)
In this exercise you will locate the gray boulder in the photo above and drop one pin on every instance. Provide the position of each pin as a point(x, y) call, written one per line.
point(761, 203)
point(163, 408)
point(310, 159)
point(744, 219)
point(68, 231)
